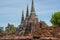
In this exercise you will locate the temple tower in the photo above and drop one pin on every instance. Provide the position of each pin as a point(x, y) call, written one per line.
point(32, 9)
point(33, 16)
point(27, 12)
point(33, 19)
point(22, 19)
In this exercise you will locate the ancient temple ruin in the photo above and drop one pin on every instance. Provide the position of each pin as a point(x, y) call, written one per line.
point(31, 29)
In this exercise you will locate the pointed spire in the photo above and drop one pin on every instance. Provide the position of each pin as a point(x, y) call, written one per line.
point(8, 24)
point(32, 7)
point(22, 19)
point(27, 12)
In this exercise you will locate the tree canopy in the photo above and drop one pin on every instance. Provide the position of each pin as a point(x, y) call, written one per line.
point(55, 20)
point(13, 29)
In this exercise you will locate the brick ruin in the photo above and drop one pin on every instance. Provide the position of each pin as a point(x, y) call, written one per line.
point(31, 29)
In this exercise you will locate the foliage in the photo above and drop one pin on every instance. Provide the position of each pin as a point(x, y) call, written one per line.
point(1, 29)
point(55, 20)
point(13, 29)
point(10, 28)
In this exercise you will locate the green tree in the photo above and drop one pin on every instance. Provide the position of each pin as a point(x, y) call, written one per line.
point(1, 29)
point(55, 20)
point(13, 29)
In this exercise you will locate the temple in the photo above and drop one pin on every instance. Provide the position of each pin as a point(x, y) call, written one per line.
point(30, 24)
point(31, 28)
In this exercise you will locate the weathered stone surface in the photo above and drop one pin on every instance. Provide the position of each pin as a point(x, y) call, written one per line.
point(49, 33)
point(32, 29)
